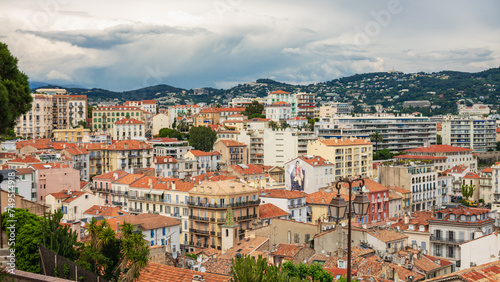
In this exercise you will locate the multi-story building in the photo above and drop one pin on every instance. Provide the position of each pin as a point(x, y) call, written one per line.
point(304, 137)
point(231, 152)
point(23, 182)
point(205, 161)
point(278, 111)
point(495, 186)
point(444, 189)
point(129, 129)
point(208, 116)
point(475, 110)
point(182, 111)
point(255, 141)
point(280, 146)
point(49, 112)
point(254, 175)
point(225, 113)
point(102, 184)
point(442, 156)
point(378, 195)
point(127, 154)
point(476, 133)
point(305, 104)
point(405, 198)
point(451, 227)
point(210, 203)
point(72, 203)
point(485, 185)
point(169, 147)
point(146, 105)
point(160, 121)
point(103, 118)
point(350, 156)
point(176, 199)
point(95, 157)
point(283, 96)
point(119, 195)
point(166, 166)
point(72, 135)
point(80, 158)
point(331, 109)
point(309, 173)
point(418, 177)
point(54, 177)
point(292, 202)
point(399, 133)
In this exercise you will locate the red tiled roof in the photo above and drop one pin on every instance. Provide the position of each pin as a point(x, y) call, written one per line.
point(130, 144)
point(344, 142)
point(148, 221)
point(129, 178)
point(323, 198)
point(471, 175)
point(439, 149)
point(269, 210)
point(488, 169)
point(280, 104)
point(163, 140)
point(456, 169)
point(149, 102)
point(251, 169)
point(97, 210)
point(232, 143)
point(183, 186)
point(420, 157)
point(315, 161)
point(283, 194)
point(111, 175)
point(155, 272)
point(198, 153)
point(26, 170)
point(83, 184)
point(481, 273)
point(387, 235)
point(27, 159)
point(76, 151)
point(279, 92)
point(165, 160)
point(129, 121)
point(47, 142)
point(286, 250)
point(48, 166)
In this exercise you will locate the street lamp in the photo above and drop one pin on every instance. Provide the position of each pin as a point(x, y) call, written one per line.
point(338, 206)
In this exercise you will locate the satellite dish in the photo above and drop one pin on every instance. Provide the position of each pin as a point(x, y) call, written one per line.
point(198, 259)
point(203, 269)
point(343, 224)
point(174, 255)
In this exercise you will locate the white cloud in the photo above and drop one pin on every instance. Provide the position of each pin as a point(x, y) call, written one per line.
point(55, 75)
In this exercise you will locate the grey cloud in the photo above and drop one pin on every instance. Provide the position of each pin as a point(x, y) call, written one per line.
point(111, 37)
point(463, 56)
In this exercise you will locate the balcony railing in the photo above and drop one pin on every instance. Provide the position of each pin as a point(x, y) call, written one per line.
point(199, 218)
point(245, 217)
point(297, 206)
point(224, 206)
point(447, 240)
point(198, 231)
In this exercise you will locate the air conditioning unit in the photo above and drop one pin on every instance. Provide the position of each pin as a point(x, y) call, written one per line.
point(324, 228)
point(472, 264)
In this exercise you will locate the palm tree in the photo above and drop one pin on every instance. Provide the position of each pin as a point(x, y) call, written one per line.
point(135, 252)
point(376, 137)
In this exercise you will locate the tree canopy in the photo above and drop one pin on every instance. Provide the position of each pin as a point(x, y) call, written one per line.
point(15, 98)
point(171, 133)
point(202, 138)
point(254, 108)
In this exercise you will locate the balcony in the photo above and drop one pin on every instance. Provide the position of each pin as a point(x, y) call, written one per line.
point(117, 203)
point(446, 240)
point(297, 206)
point(246, 217)
point(197, 231)
point(198, 218)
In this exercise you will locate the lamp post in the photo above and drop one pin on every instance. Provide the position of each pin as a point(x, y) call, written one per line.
point(337, 208)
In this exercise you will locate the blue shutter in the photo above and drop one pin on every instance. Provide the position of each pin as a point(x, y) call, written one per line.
point(152, 233)
point(163, 231)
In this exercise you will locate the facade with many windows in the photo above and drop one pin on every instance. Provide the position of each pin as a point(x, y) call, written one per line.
point(476, 133)
point(103, 118)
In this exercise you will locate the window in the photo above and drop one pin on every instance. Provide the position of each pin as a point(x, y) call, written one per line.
point(296, 238)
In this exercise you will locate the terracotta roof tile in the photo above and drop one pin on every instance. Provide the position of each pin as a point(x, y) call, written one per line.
point(198, 153)
point(163, 140)
point(26, 170)
point(48, 166)
point(27, 159)
point(283, 194)
point(315, 161)
point(280, 104)
point(286, 250)
point(323, 198)
point(481, 273)
point(129, 145)
point(344, 142)
point(111, 175)
point(420, 157)
point(232, 143)
point(128, 121)
point(155, 272)
point(165, 160)
point(269, 210)
point(128, 179)
point(250, 169)
point(279, 92)
point(148, 221)
point(387, 235)
point(439, 149)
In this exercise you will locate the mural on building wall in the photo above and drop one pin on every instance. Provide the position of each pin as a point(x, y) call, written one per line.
point(297, 176)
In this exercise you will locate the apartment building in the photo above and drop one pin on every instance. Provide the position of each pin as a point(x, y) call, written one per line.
point(208, 116)
point(495, 186)
point(54, 177)
point(418, 177)
point(119, 195)
point(486, 185)
point(442, 156)
point(331, 109)
point(129, 129)
point(451, 227)
point(169, 147)
point(182, 111)
point(23, 182)
point(292, 202)
point(279, 111)
point(166, 166)
point(405, 199)
point(72, 135)
point(127, 154)
point(73, 204)
point(102, 184)
point(159, 121)
point(306, 104)
point(378, 195)
point(280, 146)
point(146, 105)
point(476, 133)
point(231, 153)
point(80, 159)
point(49, 112)
point(103, 118)
point(210, 203)
point(205, 161)
point(399, 133)
point(309, 174)
point(350, 156)
point(255, 141)
point(95, 157)
point(176, 199)
point(283, 96)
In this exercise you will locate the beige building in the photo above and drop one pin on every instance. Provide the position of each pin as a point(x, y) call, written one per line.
point(350, 156)
point(129, 129)
point(231, 152)
point(72, 203)
point(49, 112)
point(210, 203)
point(72, 135)
point(127, 154)
point(160, 121)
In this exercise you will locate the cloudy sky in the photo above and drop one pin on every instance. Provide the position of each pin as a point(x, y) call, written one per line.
point(123, 45)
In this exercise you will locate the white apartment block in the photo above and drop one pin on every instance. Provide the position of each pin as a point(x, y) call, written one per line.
point(293, 202)
point(280, 146)
point(283, 96)
point(331, 109)
point(443, 156)
point(399, 133)
point(182, 111)
point(129, 129)
point(309, 173)
point(146, 105)
point(279, 111)
point(476, 133)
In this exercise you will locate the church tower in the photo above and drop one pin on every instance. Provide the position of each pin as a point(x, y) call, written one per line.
point(229, 231)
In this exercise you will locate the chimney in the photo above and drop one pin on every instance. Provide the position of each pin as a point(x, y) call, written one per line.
point(115, 175)
point(173, 185)
point(125, 146)
point(407, 219)
point(150, 183)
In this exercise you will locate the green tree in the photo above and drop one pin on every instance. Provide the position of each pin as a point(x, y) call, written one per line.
point(376, 137)
point(439, 139)
point(254, 108)
point(60, 239)
point(498, 146)
point(27, 238)
point(256, 115)
point(311, 122)
point(467, 190)
point(273, 124)
point(383, 154)
point(314, 272)
point(15, 98)
point(202, 138)
point(247, 269)
point(89, 112)
point(171, 133)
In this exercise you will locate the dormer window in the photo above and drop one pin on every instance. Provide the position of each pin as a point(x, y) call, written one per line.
point(473, 218)
point(463, 218)
point(421, 228)
point(452, 217)
point(411, 227)
point(439, 215)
